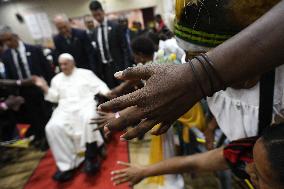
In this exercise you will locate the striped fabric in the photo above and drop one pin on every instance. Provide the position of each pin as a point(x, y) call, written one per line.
point(238, 154)
point(199, 37)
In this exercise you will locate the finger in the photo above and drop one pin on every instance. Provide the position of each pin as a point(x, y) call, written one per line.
point(122, 102)
point(123, 163)
point(116, 172)
point(98, 120)
point(127, 117)
point(162, 129)
point(119, 177)
point(134, 73)
point(121, 181)
point(107, 134)
point(101, 127)
point(101, 113)
point(143, 127)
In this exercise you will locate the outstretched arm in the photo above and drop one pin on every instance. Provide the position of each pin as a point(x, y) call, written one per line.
point(51, 94)
point(205, 162)
point(171, 90)
point(255, 50)
point(17, 83)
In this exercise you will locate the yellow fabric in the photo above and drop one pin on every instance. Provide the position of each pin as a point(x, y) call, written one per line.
point(180, 4)
point(193, 118)
point(24, 143)
point(156, 155)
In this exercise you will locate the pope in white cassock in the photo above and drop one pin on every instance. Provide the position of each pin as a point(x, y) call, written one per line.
point(69, 131)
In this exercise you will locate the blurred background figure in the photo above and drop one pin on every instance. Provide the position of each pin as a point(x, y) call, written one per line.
point(21, 62)
point(129, 35)
point(111, 46)
point(73, 41)
point(159, 23)
point(137, 27)
point(89, 24)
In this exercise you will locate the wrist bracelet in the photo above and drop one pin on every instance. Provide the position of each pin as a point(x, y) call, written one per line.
point(206, 58)
point(4, 106)
point(199, 58)
point(117, 115)
point(19, 82)
point(196, 78)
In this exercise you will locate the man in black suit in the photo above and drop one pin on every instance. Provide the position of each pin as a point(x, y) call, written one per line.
point(129, 36)
point(89, 24)
point(75, 42)
point(21, 62)
point(111, 46)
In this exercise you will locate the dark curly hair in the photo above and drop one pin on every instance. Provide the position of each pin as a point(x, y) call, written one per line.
point(95, 5)
point(143, 45)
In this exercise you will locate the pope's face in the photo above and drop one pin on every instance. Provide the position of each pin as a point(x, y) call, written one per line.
point(67, 66)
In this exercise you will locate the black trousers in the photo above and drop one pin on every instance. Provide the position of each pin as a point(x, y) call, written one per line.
point(35, 111)
point(7, 125)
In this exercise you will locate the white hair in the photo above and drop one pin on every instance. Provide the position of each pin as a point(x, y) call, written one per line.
point(60, 18)
point(66, 56)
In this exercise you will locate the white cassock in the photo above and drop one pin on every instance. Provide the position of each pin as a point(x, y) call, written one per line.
point(69, 128)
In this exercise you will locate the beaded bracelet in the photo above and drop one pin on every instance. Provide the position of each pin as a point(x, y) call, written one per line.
point(4, 106)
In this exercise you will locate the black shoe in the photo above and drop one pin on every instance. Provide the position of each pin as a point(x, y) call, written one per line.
point(91, 167)
point(103, 152)
point(63, 176)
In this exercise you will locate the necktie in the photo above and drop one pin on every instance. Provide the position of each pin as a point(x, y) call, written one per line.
point(104, 43)
point(21, 64)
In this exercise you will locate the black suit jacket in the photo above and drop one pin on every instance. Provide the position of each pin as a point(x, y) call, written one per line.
point(80, 48)
point(37, 63)
point(118, 47)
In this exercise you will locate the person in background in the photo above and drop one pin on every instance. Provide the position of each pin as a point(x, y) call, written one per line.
point(159, 23)
point(129, 36)
point(89, 24)
point(2, 67)
point(111, 45)
point(9, 104)
point(73, 41)
point(257, 159)
point(69, 131)
point(137, 27)
point(21, 62)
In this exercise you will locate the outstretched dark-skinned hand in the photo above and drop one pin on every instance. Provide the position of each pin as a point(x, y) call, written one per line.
point(161, 100)
point(171, 89)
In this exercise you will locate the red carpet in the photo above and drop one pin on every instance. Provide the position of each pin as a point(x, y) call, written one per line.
point(41, 178)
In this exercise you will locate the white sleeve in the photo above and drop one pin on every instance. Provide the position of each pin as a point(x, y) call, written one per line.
point(98, 85)
point(52, 94)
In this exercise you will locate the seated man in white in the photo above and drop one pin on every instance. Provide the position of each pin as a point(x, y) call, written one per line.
point(69, 131)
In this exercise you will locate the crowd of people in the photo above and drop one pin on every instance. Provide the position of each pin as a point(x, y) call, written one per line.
point(216, 83)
